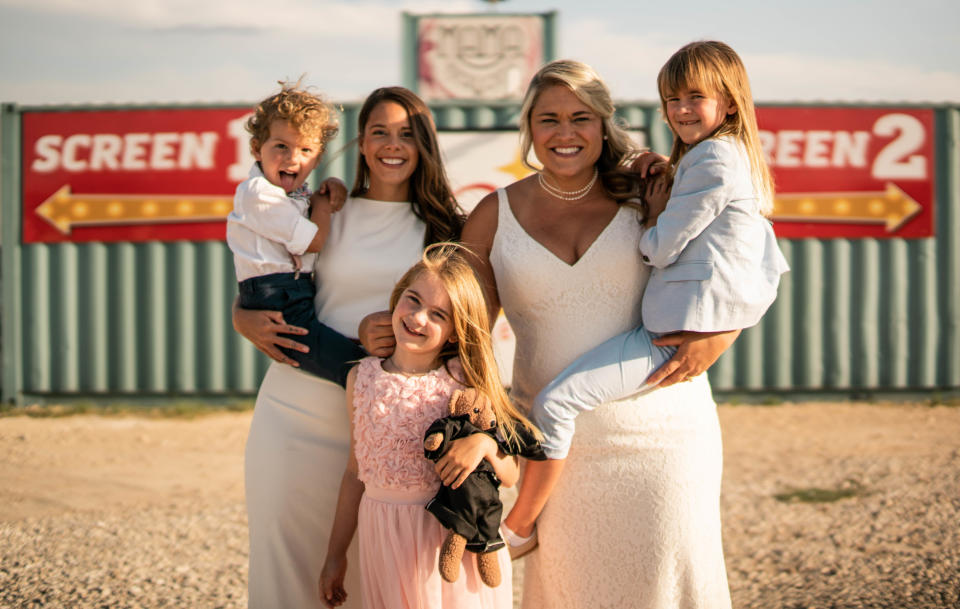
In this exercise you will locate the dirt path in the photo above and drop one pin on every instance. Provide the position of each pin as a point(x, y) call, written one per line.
point(135, 512)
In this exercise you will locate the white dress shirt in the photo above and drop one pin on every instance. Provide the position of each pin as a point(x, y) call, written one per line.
point(266, 226)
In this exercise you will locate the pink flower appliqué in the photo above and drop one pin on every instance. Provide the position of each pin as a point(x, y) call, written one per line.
point(391, 414)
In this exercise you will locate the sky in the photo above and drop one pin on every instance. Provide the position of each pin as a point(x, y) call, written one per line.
point(185, 51)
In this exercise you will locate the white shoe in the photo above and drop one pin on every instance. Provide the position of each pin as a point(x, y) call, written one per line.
point(518, 546)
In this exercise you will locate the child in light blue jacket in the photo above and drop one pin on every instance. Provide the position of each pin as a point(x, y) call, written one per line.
point(714, 257)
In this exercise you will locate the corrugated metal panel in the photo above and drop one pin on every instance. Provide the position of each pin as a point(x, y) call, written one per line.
point(153, 318)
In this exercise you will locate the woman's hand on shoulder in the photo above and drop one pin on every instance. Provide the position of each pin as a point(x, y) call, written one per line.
point(376, 334)
point(263, 329)
point(696, 351)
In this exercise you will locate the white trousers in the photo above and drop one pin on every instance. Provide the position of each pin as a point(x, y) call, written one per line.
point(295, 456)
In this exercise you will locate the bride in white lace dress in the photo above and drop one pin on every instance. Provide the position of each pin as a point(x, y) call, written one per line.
point(634, 520)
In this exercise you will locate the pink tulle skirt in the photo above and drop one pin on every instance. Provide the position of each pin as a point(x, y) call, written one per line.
point(399, 545)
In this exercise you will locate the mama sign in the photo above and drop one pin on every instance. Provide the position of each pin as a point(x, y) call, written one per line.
point(477, 57)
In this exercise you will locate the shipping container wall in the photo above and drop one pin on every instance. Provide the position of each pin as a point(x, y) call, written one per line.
point(153, 318)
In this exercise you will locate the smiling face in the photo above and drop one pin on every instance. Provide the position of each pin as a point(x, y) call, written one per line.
point(696, 113)
point(567, 135)
point(423, 318)
point(388, 147)
point(288, 156)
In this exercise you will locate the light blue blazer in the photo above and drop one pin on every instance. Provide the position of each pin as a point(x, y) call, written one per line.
point(716, 262)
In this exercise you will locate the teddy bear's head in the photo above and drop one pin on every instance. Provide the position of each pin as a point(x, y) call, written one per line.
point(475, 404)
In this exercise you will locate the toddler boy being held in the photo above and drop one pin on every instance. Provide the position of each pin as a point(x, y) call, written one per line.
point(275, 233)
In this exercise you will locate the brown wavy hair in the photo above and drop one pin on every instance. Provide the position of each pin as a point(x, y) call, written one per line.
point(448, 263)
point(307, 112)
point(430, 193)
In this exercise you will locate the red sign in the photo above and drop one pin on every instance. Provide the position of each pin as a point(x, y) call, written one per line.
point(131, 175)
point(170, 174)
point(850, 172)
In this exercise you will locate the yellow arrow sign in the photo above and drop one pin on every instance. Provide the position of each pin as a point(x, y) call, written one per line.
point(892, 207)
point(65, 210)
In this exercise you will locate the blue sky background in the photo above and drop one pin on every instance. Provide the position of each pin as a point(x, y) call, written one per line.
point(117, 51)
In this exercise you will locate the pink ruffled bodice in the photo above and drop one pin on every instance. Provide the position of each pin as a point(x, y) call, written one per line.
point(391, 414)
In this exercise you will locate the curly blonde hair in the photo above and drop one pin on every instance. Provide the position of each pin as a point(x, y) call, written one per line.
point(307, 112)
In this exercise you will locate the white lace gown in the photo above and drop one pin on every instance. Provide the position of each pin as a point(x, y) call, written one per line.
point(635, 518)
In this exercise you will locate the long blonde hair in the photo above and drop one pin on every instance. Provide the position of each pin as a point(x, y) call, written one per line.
point(430, 193)
point(709, 65)
point(590, 89)
point(447, 262)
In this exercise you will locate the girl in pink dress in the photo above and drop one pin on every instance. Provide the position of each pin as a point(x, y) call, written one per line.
point(439, 317)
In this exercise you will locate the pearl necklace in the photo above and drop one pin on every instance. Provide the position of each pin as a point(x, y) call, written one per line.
point(568, 195)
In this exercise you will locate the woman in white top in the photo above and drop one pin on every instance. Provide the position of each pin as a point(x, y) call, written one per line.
point(634, 521)
point(299, 436)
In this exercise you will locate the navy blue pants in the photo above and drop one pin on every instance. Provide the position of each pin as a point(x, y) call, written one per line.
point(331, 354)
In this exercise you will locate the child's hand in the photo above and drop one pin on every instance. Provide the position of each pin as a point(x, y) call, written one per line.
point(463, 456)
point(336, 190)
point(376, 334)
point(321, 208)
point(331, 581)
point(649, 163)
point(656, 197)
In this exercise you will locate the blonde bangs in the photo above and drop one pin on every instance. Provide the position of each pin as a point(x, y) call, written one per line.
point(689, 71)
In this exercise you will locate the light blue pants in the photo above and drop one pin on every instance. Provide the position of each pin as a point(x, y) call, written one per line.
point(612, 371)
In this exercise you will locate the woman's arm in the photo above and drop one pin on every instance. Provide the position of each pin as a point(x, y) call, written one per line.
point(478, 233)
point(345, 520)
point(696, 351)
point(539, 480)
point(465, 454)
point(263, 329)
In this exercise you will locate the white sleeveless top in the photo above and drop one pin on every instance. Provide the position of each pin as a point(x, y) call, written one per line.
point(559, 311)
point(370, 246)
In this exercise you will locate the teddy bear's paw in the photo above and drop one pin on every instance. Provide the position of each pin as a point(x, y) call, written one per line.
point(451, 553)
point(489, 568)
point(433, 441)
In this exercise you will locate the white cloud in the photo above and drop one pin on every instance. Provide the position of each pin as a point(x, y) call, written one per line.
point(629, 64)
point(333, 19)
point(161, 85)
point(787, 77)
point(349, 47)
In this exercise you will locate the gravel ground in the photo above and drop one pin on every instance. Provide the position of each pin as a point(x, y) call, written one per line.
point(825, 505)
